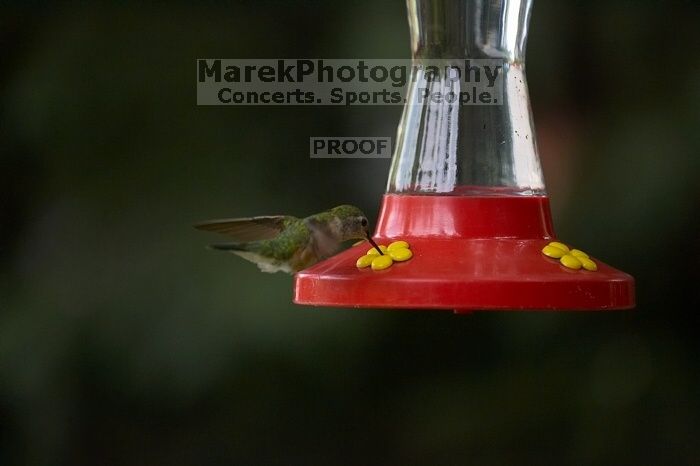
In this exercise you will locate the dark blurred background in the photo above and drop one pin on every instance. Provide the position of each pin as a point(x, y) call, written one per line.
point(124, 342)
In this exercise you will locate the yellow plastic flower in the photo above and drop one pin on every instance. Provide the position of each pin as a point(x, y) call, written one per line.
point(571, 258)
point(398, 251)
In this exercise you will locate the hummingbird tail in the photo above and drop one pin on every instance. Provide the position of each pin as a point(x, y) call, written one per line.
point(228, 246)
point(244, 250)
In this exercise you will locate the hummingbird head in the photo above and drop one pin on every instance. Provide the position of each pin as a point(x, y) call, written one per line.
point(351, 222)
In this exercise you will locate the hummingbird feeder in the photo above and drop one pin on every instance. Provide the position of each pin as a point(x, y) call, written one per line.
point(466, 191)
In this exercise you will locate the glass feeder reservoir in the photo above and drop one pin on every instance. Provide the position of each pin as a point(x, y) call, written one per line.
point(466, 190)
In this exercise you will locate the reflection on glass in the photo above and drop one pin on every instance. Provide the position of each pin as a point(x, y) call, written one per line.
point(447, 148)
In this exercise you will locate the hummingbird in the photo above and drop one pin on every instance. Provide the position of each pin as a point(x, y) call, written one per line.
point(282, 243)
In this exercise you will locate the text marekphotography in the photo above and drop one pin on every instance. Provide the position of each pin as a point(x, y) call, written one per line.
point(296, 81)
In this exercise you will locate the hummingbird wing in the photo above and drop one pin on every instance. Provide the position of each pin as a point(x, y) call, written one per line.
point(248, 229)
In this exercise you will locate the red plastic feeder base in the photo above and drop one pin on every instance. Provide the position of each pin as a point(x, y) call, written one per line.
point(469, 253)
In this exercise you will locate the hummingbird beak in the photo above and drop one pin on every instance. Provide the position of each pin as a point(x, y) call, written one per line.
point(369, 238)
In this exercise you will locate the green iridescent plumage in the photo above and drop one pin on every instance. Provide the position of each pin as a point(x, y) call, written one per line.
point(295, 235)
point(290, 244)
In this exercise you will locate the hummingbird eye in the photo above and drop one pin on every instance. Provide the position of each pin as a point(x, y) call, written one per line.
point(364, 222)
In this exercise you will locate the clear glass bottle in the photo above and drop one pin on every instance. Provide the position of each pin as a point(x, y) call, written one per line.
point(455, 149)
